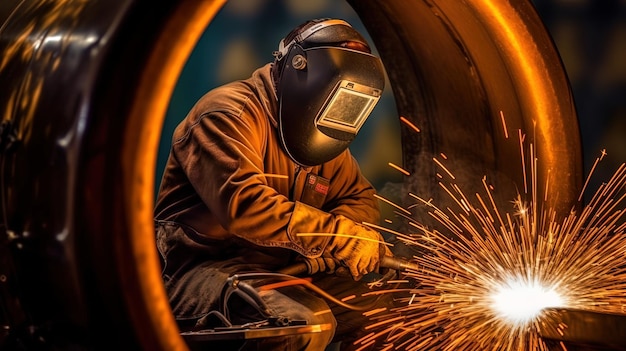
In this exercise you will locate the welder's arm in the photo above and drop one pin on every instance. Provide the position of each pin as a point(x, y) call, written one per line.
point(352, 196)
point(224, 157)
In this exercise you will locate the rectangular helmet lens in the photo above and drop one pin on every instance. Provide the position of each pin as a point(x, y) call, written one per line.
point(349, 107)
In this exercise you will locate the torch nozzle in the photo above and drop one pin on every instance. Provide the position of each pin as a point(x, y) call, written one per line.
point(398, 264)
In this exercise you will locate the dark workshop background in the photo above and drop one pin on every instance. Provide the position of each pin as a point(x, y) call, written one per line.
point(589, 34)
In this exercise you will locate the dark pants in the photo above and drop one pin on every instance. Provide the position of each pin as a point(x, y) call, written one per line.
point(297, 303)
point(195, 287)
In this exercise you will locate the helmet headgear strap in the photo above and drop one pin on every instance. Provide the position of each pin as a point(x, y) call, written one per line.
point(283, 49)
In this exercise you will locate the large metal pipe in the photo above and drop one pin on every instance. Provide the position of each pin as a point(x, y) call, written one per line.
point(84, 89)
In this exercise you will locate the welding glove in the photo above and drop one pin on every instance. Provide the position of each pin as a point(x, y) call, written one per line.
point(359, 254)
point(358, 248)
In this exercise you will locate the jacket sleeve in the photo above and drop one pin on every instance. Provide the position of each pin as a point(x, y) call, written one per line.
point(350, 202)
point(222, 156)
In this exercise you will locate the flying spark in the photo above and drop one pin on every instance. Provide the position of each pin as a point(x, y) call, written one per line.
point(487, 275)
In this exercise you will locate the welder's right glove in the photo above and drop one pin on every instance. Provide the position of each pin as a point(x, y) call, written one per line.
point(358, 248)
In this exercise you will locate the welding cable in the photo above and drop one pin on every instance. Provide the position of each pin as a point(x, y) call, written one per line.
point(253, 294)
point(247, 293)
point(211, 314)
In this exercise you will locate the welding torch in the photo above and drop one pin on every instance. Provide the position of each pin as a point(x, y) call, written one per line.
point(390, 262)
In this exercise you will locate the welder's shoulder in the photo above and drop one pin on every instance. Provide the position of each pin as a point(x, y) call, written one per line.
point(232, 99)
point(240, 102)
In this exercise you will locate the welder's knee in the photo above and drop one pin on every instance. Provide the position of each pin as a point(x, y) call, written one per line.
point(296, 305)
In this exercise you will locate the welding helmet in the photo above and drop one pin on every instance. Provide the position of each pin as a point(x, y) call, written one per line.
point(327, 83)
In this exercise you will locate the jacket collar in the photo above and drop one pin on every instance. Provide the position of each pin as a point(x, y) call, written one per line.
point(262, 79)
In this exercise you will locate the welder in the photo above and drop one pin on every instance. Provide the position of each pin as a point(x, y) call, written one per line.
point(260, 177)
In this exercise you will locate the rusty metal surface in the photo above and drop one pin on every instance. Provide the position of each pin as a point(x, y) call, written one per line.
point(83, 95)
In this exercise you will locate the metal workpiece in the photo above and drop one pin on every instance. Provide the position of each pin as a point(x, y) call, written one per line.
point(85, 86)
point(581, 330)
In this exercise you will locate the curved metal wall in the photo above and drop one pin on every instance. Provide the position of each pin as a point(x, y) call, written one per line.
point(457, 67)
point(84, 88)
